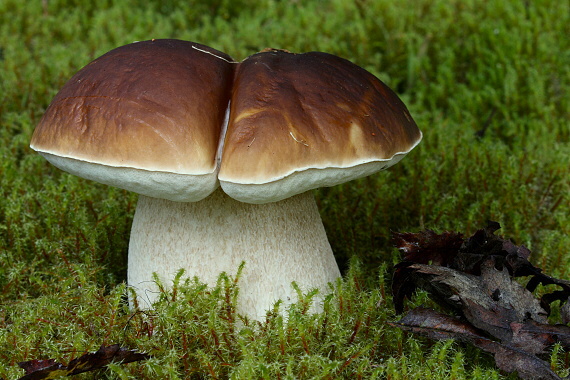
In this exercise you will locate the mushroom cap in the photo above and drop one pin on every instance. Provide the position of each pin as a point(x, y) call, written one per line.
point(302, 121)
point(151, 117)
point(146, 117)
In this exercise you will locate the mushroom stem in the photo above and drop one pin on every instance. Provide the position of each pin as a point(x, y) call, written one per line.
point(280, 242)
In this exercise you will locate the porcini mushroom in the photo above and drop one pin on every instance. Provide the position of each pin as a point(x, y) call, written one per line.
point(172, 120)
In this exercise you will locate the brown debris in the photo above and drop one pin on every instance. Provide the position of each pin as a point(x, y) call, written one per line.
point(50, 369)
point(474, 280)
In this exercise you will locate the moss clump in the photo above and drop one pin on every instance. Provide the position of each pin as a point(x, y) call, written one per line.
point(488, 83)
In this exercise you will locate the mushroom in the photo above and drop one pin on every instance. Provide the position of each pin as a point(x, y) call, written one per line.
point(224, 156)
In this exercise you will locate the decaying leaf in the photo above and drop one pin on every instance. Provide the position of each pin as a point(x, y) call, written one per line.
point(50, 369)
point(473, 279)
point(428, 247)
point(440, 326)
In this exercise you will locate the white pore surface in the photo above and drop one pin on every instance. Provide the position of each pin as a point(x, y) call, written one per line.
point(172, 186)
point(302, 181)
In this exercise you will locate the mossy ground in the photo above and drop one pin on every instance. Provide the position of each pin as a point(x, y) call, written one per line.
point(487, 82)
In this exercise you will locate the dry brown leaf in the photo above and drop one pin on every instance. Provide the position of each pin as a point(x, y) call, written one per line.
point(50, 369)
point(475, 280)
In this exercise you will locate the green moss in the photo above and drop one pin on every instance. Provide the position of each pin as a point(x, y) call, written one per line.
point(488, 83)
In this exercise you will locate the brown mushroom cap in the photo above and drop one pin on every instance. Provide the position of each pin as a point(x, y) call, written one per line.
point(143, 113)
point(302, 121)
point(150, 116)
